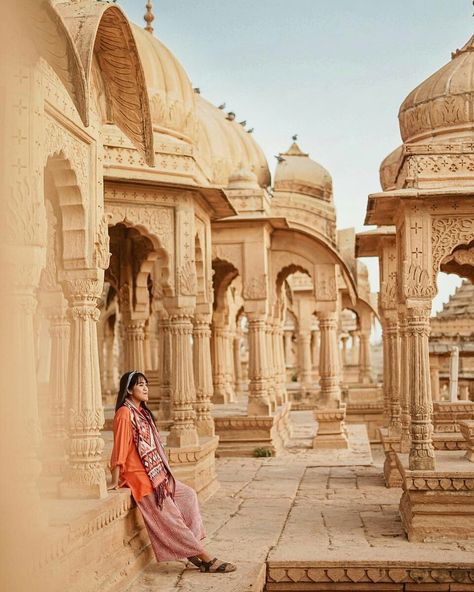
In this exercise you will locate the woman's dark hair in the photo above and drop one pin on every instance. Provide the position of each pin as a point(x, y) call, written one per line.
point(126, 385)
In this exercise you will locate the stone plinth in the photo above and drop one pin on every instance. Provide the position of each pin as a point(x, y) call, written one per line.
point(331, 431)
point(195, 466)
point(98, 545)
point(467, 431)
point(447, 415)
point(438, 505)
point(247, 435)
point(370, 414)
point(391, 445)
point(348, 575)
point(449, 440)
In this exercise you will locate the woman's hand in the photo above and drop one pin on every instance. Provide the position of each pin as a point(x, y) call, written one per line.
point(113, 486)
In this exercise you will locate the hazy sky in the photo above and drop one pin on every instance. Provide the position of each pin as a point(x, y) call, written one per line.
point(333, 71)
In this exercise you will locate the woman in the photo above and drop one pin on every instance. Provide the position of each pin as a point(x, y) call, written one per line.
point(169, 508)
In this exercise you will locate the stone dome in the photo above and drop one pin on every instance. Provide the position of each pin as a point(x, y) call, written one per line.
point(444, 103)
point(297, 173)
point(172, 99)
point(389, 168)
point(227, 147)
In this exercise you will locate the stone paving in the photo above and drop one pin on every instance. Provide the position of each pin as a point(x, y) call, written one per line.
point(301, 506)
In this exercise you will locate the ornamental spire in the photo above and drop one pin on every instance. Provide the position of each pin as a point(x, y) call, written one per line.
point(149, 16)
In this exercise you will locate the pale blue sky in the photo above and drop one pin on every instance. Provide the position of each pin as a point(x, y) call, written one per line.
point(333, 71)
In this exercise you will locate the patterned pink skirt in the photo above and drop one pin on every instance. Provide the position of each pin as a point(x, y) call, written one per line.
point(175, 531)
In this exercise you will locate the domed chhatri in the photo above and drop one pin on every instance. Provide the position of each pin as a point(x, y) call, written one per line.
point(224, 143)
point(296, 172)
point(172, 105)
point(443, 104)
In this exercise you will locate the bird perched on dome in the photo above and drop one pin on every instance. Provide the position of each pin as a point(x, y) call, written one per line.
point(222, 106)
point(294, 137)
point(197, 90)
point(243, 123)
point(249, 131)
point(280, 158)
point(230, 116)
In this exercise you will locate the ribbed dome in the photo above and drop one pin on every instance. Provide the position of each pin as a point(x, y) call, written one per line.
point(444, 103)
point(172, 100)
point(389, 169)
point(226, 145)
point(297, 173)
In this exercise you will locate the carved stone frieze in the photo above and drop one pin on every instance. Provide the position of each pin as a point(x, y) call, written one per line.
point(58, 140)
point(447, 233)
point(102, 243)
point(417, 282)
point(187, 279)
point(371, 573)
point(157, 220)
point(25, 219)
point(255, 288)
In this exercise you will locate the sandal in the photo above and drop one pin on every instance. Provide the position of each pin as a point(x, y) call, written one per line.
point(195, 560)
point(224, 567)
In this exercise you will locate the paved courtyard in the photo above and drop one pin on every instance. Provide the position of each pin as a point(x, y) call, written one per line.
point(304, 506)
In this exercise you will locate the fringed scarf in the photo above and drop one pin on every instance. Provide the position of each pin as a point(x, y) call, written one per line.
point(151, 453)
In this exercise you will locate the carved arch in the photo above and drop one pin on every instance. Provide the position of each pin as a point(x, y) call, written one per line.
point(75, 248)
point(54, 43)
point(102, 30)
point(451, 235)
point(224, 274)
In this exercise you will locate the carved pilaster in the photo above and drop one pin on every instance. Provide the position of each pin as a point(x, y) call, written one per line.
point(329, 358)
point(288, 334)
point(229, 365)
point(84, 476)
point(237, 363)
point(203, 375)
point(183, 431)
point(259, 403)
point(421, 407)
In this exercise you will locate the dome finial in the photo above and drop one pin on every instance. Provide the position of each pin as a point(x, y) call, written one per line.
point(149, 16)
point(294, 137)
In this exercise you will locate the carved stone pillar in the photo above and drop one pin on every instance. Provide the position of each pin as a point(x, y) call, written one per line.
point(237, 363)
point(147, 348)
point(344, 340)
point(56, 434)
point(365, 364)
point(271, 369)
point(421, 407)
point(108, 385)
point(135, 345)
point(203, 374)
point(434, 377)
point(288, 333)
point(229, 365)
point(280, 371)
point(329, 358)
point(218, 353)
point(315, 353)
point(355, 347)
point(183, 431)
point(404, 386)
point(84, 476)
point(392, 376)
point(164, 403)
point(259, 403)
point(304, 361)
